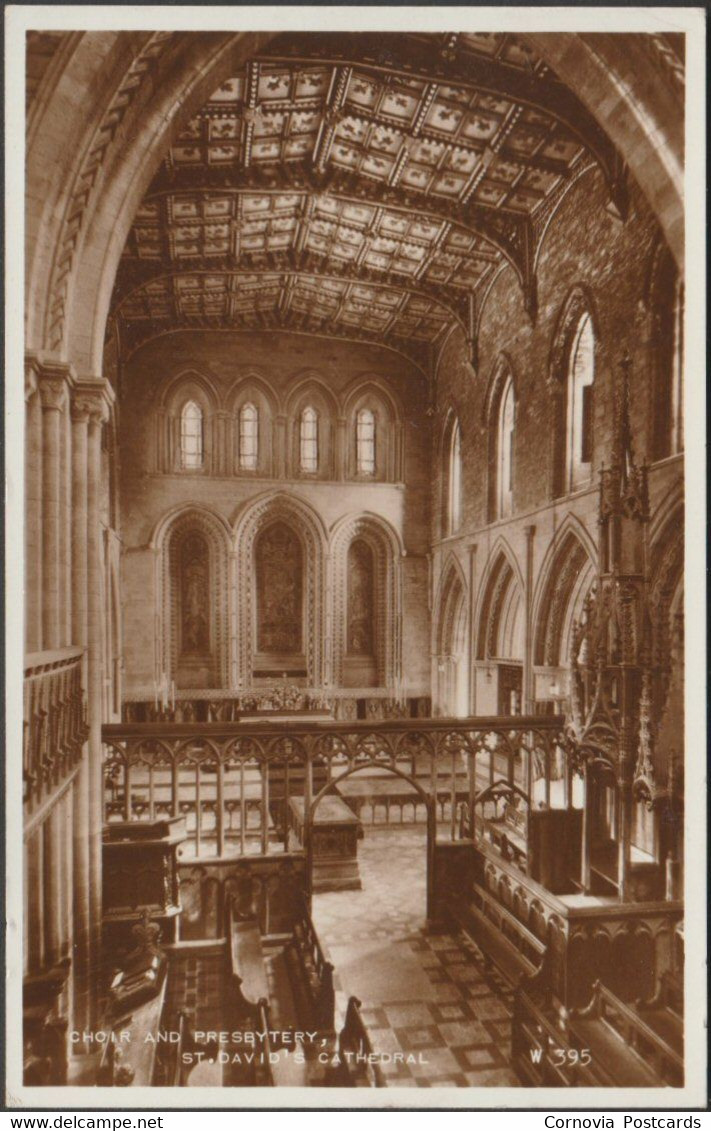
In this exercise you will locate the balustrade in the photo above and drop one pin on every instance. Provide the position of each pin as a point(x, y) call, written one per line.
point(54, 723)
point(231, 781)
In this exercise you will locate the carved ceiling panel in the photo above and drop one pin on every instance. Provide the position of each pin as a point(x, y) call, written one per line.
point(356, 184)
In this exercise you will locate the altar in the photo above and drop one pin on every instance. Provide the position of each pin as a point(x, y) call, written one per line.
point(335, 835)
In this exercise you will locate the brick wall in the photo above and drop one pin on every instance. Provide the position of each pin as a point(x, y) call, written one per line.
point(585, 245)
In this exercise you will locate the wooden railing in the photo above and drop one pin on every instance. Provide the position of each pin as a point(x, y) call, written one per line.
point(232, 780)
point(357, 1058)
point(54, 722)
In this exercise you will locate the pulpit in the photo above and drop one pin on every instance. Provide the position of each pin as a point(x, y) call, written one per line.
point(140, 872)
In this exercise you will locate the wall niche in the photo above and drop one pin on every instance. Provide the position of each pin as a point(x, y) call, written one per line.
point(279, 575)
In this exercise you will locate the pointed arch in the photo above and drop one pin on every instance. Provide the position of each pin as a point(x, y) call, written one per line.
point(451, 687)
point(500, 607)
point(190, 386)
point(386, 597)
point(369, 394)
point(573, 432)
point(567, 573)
point(452, 589)
point(188, 382)
point(250, 451)
point(306, 526)
point(311, 392)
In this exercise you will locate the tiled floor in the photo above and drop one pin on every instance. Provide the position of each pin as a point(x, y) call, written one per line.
point(422, 994)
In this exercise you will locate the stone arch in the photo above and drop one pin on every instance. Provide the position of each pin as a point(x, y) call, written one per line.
point(107, 154)
point(635, 89)
point(427, 799)
point(254, 388)
point(370, 392)
point(171, 391)
point(387, 554)
point(566, 575)
point(308, 528)
point(170, 537)
point(171, 395)
point(79, 216)
point(451, 639)
point(312, 390)
point(500, 606)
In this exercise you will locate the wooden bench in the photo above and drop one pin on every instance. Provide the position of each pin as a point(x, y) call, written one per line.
point(128, 1058)
point(624, 1044)
point(505, 942)
point(311, 975)
point(247, 963)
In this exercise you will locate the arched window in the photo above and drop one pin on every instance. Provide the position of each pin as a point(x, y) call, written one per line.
point(504, 452)
point(248, 437)
point(308, 440)
point(365, 442)
point(454, 479)
point(581, 374)
point(191, 437)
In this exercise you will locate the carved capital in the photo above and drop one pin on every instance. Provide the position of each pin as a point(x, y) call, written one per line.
point(91, 401)
point(80, 410)
point(53, 393)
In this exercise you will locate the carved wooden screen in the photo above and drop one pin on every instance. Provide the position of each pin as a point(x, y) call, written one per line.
point(279, 568)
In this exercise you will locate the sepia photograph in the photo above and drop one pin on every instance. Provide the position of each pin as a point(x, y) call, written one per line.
point(346, 630)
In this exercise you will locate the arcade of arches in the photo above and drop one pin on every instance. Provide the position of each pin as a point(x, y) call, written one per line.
point(354, 560)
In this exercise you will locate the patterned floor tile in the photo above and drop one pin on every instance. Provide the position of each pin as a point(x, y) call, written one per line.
point(431, 996)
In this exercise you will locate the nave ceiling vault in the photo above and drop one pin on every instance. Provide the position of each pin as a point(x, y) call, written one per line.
point(358, 186)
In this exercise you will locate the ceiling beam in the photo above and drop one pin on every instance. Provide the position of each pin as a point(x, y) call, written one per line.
point(395, 55)
point(503, 230)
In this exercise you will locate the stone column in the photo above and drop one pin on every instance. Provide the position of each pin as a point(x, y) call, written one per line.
point(53, 393)
point(281, 454)
point(528, 691)
point(471, 635)
point(95, 401)
point(33, 511)
point(81, 870)
point(222, 458)
point(340, 462)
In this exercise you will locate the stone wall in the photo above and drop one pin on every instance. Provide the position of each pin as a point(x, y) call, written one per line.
point(281, 361)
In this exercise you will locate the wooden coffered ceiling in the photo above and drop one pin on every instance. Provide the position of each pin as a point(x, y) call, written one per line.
point(358, 186)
